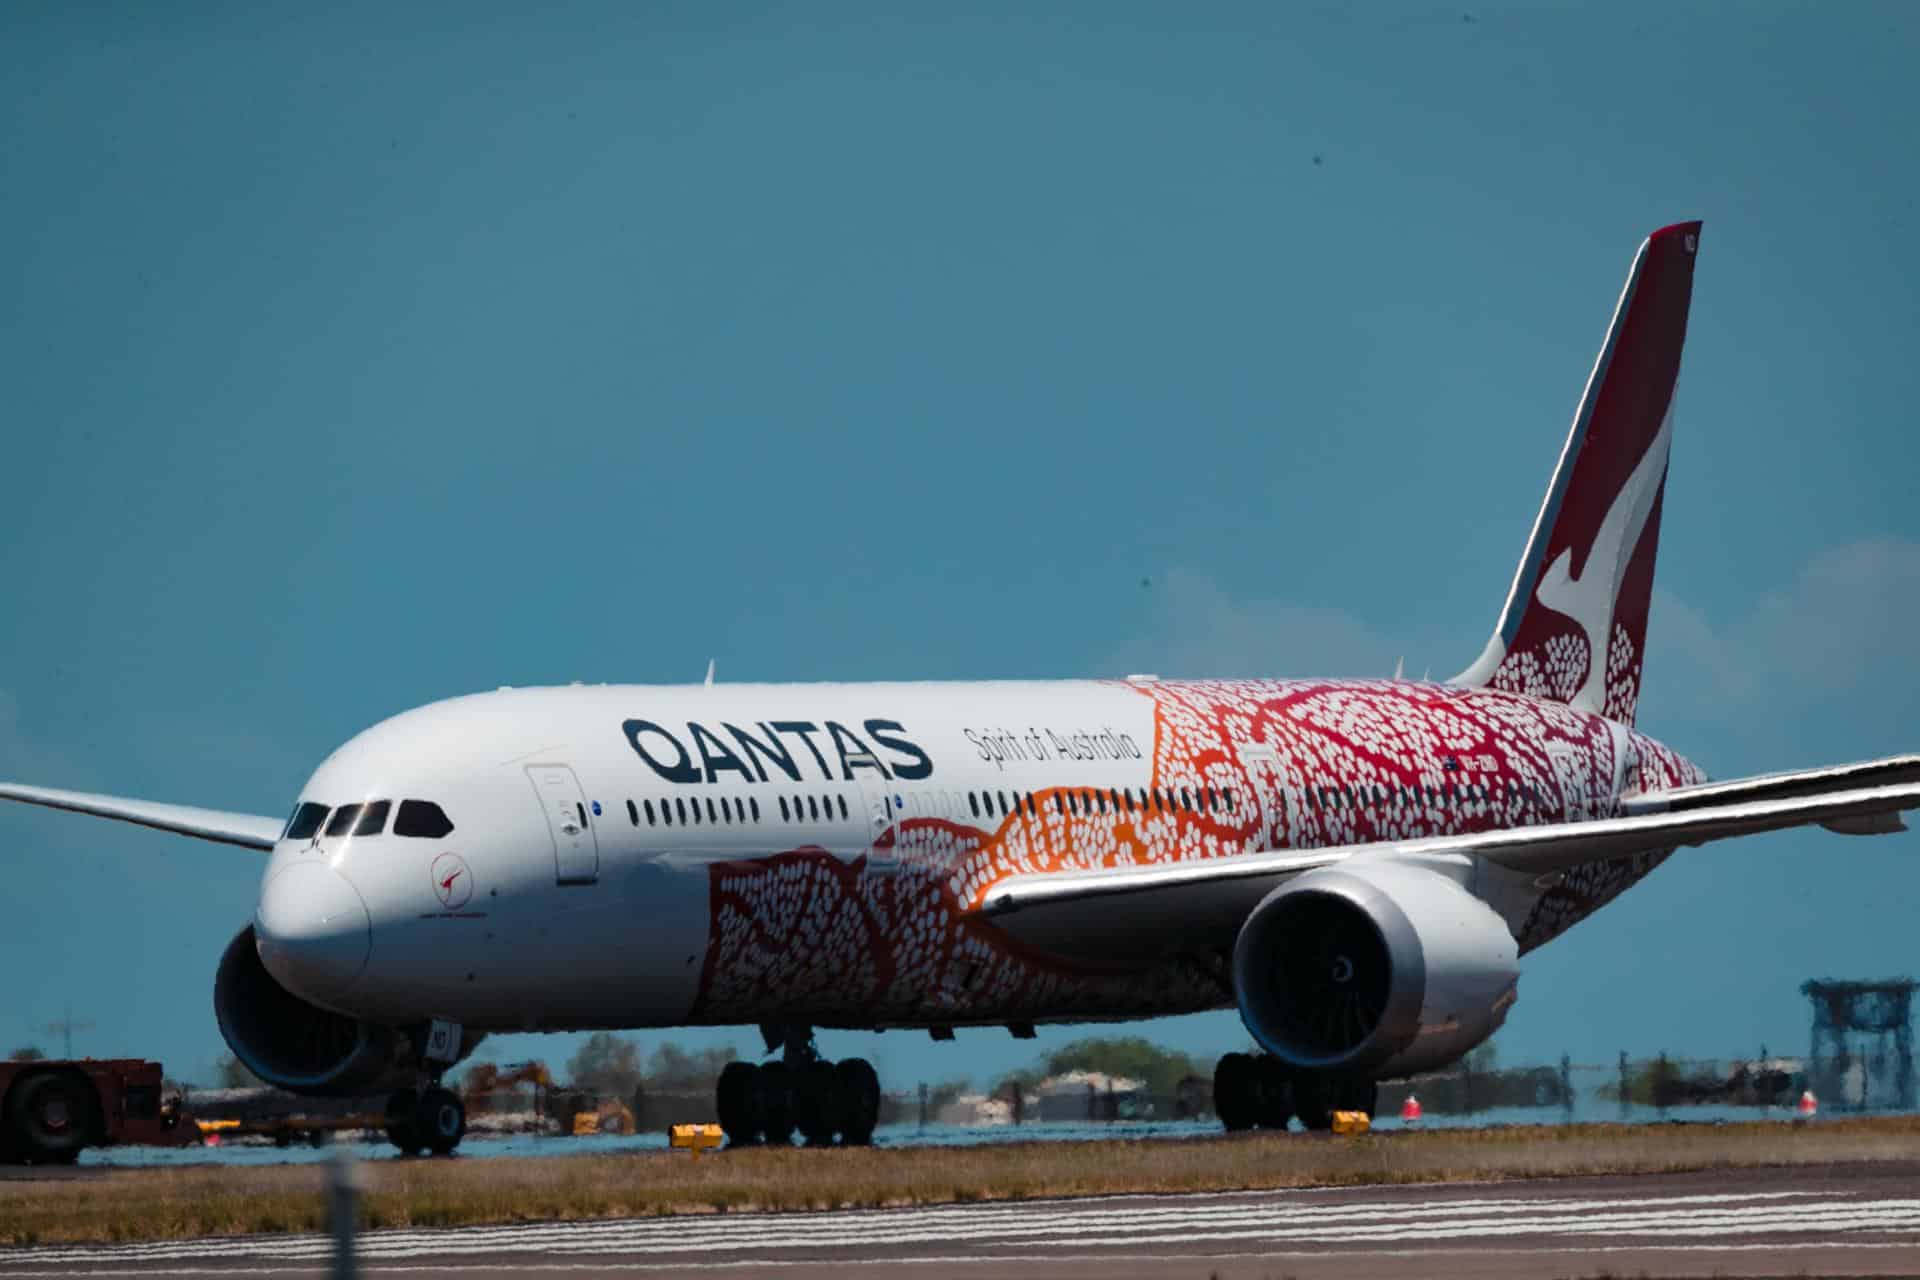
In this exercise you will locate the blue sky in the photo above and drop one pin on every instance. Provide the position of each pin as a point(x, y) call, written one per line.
point(354, 359)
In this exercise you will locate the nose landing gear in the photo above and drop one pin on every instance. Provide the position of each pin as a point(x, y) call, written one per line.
point(798, 1091)
point(1257, 1089)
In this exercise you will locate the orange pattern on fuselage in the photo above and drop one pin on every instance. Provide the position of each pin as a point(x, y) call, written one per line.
point(808, 935)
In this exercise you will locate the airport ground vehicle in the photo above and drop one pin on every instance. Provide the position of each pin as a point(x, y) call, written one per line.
point(52, 1110)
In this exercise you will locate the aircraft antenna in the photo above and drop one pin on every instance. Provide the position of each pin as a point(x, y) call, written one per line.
point(709, 680)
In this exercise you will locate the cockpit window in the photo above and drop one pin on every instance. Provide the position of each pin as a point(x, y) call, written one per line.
point(343, 818)
point(306, 819)
point(421, 818)
point(373, 819)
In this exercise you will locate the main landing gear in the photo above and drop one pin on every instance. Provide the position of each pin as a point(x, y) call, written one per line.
point(799, 1091)
point(1258, 1089)
point(426, 1120)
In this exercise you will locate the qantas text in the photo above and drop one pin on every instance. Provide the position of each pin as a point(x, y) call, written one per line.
point(703, 754)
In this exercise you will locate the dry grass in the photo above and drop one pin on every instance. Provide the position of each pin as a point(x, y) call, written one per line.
point(146, 1204)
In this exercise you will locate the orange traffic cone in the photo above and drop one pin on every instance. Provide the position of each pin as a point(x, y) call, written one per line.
point(1410, 1110)
point(1809, 1105)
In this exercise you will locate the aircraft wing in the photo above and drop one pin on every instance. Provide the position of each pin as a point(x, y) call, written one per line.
point(251, 831)
point(1803, 782)
point(1111, 915)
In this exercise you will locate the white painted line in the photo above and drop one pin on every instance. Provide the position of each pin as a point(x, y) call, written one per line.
point(1046, 1217)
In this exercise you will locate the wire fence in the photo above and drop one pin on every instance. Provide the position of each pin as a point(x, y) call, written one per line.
point(1628, 1089)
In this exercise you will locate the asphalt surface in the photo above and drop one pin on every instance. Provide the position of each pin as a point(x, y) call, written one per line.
point(1852, 1220)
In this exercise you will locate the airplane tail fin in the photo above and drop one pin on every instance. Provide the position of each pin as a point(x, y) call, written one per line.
point(1574, 627)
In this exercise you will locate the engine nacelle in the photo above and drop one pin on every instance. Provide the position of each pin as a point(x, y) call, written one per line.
point(295, 1045)
point(1376, 968)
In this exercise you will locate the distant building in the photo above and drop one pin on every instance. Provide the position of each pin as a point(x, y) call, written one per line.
point(1090, 1095)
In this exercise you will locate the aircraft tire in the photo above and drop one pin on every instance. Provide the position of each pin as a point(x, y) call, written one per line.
point(859, 1102)
point(816, 1102)
point(403, 1123)
point(1357, 1093)
point(51, 1115)
point(736, 1100)
point(1233, 1092)
point(775, 1093)
point(1314, 1101)
point(440, 1120)
point(1272, 1092)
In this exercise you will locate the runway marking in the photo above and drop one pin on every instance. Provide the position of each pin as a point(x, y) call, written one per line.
point(1066, 1229)
point(997, 1260)
point(1019, 1218)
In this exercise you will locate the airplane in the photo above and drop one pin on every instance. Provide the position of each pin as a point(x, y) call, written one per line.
point(1356, 865)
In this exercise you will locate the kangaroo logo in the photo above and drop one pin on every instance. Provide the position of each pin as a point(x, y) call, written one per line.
point(452, 881)
point(1589, 599)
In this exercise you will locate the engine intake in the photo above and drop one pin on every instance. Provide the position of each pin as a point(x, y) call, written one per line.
point(1380, 968)
point(293, 1044)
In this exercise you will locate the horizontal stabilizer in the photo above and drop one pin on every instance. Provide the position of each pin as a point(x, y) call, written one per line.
point(250, 831)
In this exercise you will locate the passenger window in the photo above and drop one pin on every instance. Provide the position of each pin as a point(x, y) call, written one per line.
point(582, 811)
point(726, 811)
point(307, 818)
point(648, 806)
point(696, 811)
point(633, 813)
point(783, 810)
point(373, 819)
point(343, 819)
point(680, 807)
point(843, 807)
point(973, 800)
point(753, 802)
point(813, 809)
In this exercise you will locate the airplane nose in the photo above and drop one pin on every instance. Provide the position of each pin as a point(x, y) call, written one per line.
point(313, 930)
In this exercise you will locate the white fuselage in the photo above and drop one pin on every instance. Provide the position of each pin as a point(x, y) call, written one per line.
point(648, 855)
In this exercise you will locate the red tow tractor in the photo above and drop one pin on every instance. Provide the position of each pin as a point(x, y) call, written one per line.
point(50, 1111)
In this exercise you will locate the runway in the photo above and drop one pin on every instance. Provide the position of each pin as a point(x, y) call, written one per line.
point(1840, 1219)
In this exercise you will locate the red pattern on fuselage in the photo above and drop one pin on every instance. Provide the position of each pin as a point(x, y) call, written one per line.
point(810, 935)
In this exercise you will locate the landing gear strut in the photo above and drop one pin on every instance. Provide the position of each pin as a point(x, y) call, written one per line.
point(801, 1091)
point(1257, 1089)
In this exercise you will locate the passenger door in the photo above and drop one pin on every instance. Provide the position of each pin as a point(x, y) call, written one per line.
point(881, 833)
point(576, 849)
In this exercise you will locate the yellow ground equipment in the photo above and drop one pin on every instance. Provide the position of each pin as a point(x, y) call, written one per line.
point(695, 1138)
point(611, 1116)
point(1351, 1123)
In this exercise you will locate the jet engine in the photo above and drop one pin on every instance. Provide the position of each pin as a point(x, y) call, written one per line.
point(1373, 969)
point(296, 1045)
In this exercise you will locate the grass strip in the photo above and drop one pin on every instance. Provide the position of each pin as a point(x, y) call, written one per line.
point(212, 1200)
